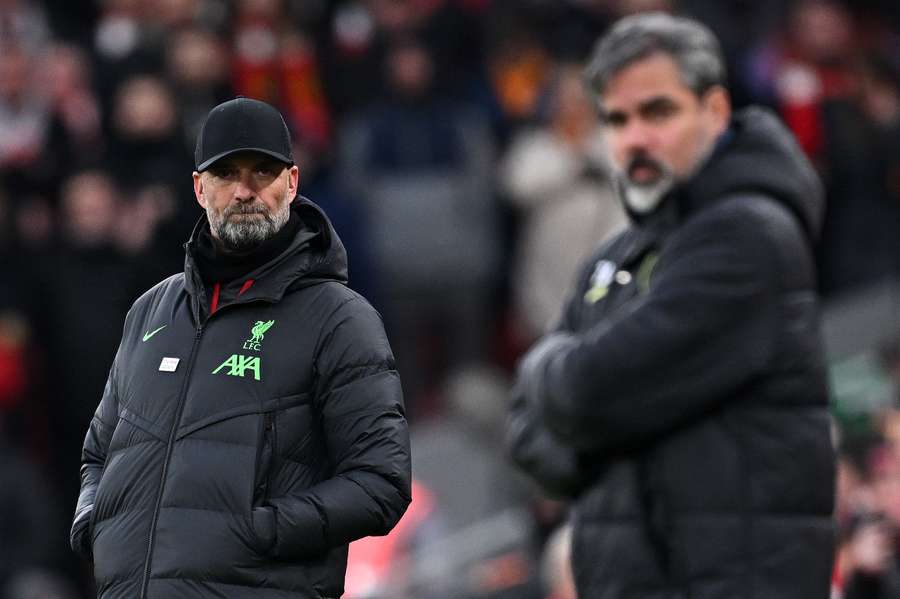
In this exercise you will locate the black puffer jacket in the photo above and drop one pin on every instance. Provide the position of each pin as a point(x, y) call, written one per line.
point(237, 455)
point(688, 415)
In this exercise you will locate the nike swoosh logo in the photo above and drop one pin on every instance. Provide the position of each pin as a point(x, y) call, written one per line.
point(151, 333)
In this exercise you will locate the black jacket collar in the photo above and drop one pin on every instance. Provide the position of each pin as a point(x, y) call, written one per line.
point(314, 254)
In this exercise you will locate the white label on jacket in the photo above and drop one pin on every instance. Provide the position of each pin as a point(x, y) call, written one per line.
point(168, 364)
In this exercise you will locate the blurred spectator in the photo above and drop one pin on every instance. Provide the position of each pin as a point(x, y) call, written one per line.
point(117, 33)
point(868, 511)
point(23, 113)
point(278, 65)
point(558, 177)
point(86, 287)
point(197, 66)
point(148, 159)
point(805, 67)
point(867, 562)
point(420, 165)
point(362, 31)
point(351, 58)
point(861, 238)
point(741, 26)
point(318, 182)
point(446, 26)
point(868, 565)
point(169, 15)
point(74, 138)
point(28, 522)
point(15, 368)
point(145, 146)
point(23, 24)
point(128, 41)
point(519, 68)
point(33, 224)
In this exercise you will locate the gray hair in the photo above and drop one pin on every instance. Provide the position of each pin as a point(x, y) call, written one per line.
point(690, 44)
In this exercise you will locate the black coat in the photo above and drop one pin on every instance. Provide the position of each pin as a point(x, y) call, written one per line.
point(245, 469)
point(688, 413)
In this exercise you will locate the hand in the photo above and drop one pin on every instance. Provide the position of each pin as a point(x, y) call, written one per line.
point(870, 548)
point(530, 380)
point(80, 537)
point(534, 448)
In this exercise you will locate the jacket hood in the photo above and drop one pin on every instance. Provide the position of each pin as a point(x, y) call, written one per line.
point(759, 155)
point(316, 254)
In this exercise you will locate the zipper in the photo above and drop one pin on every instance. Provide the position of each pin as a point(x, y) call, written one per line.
point(171, 443)
point(267, 445)
point(169, 446)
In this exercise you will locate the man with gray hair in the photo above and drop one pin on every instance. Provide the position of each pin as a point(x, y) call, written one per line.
point(682, 401)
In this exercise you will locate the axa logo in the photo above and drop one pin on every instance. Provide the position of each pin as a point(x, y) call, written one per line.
point(238, 365)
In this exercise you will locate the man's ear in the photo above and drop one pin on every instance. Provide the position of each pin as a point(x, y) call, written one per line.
point(718, 104)
point(293, 180)
point(198, 189)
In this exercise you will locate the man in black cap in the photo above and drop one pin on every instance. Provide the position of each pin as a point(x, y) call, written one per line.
point(252, 424)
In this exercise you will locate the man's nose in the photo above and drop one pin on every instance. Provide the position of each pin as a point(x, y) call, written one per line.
point(635, 137)
point(243, 189)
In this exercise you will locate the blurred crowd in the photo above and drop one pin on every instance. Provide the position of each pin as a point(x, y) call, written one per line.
point(456, 151)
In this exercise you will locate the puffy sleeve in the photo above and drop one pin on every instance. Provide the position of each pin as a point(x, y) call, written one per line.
point(361, 404)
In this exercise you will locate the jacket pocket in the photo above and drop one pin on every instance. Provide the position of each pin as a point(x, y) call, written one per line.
point(264, 525)
point(265, 457)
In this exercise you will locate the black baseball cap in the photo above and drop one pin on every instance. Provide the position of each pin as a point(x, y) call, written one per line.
point(242, 125)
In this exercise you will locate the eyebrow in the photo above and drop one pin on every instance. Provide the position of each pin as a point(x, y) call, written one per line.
point(649, 105)
point(655, 103)
point(608, 115)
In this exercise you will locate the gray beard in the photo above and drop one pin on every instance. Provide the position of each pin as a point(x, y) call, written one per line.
point(643, 199)
point(246, 234)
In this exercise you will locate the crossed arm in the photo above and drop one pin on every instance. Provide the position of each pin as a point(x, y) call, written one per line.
point(705, 328)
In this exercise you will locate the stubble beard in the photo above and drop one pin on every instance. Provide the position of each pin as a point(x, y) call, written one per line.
point(245, 234)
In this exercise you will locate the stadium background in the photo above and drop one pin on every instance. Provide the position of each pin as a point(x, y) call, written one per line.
point(453, 147)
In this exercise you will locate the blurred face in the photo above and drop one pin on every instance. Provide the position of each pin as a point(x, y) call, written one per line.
point(144, 108)
point(247, 198)
point(197, 58)
point(573, 101)
point(63, 71)
point(14, 72)
point(89, 208)
point(410, 70)
point(822, 31)
point(658, 130)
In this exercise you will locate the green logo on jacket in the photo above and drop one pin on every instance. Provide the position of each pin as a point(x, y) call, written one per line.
point(238, 365)
point(258, 332)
